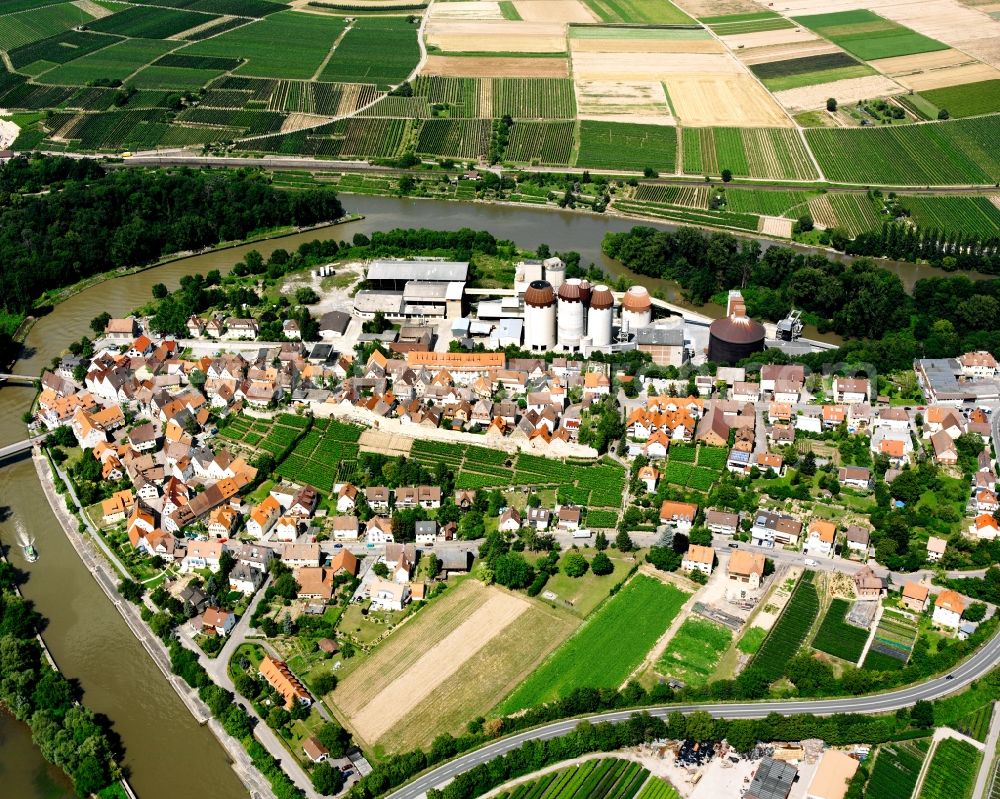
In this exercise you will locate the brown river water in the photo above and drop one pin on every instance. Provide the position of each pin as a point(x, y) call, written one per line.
point(167, 753)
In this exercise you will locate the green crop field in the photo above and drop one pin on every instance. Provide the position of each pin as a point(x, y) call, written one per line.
point(379, 50)
point(533, 98)
point(963, 151)
point(549, 143)
point(969, 99)
point(788, 633)
point(642, 11)
point(605, 651)
point(156, 77)
point(952, 771)
point(266, 44)
point(39, 56)
point(593, 779)
point(869, 36)
point(459, 138)
point(775, 153)
point(975, 216)
point(772, 203)
point(838, 638)
point(614, 145)
point(112, 63)
point(658, 788)
point(694, 651)
point(150, 22)
point(17, 30)
point(754, 22)
point(809, 70)
point(897, 767)
point(857, 213)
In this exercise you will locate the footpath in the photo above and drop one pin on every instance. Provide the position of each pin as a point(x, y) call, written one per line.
point(986, 768)
point(87, 548)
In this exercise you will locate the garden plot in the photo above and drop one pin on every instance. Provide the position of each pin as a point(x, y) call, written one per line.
point(498, 67)
point(554, 11)
point(496, 36)
point(846, 91)
point(737, 99)
point(473, 9)
point(642, 101)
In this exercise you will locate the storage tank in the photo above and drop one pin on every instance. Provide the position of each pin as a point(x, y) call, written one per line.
point(600, 316)
point(637, 309)
point(572, 314)
point(539, 316)
point(735, 336)
point(555, 272)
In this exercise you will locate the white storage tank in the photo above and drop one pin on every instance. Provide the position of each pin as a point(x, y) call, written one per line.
point(572, 314)
point(539, 316)
point(600, 316)
point(555, 272)
point(637, 309)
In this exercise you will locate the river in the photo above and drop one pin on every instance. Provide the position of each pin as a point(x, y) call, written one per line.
point(167, 753)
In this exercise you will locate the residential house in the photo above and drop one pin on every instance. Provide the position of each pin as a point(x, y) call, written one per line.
point(386, 595)
point(948, 609)
point(287, 528)
point(915, 596)
point(379, 531)
point(347, 497)
point(203, 555)
point(978, 365)
point(426, 532)
point(539, 518)
point(464, 499)
point(315, 582)
point(680, 515)
point(143, 437)
point(984, 527)
point(986, 501)
point(770, 529)
point(698, 558)
point(414, 496)
point(851, 390)
point(257, 557)
point(314, 750)
point(855, 477)
point(263, 517)
point(820, 538)
point(858, 540)
point(345, 528)
point(935, 548)
point(214, 622)
point(945, 449)
point(569, 518)
point(772, 461)
point(722, 522)
point(344, 562)
point(222, 521)
point(377, 498)
point(297, 556)
point(245, 579)
point(280, 677)
point(649, 476)
point(116, 506)
point(304, 502)
point(744, 577)
point(868, 585)
point(510, 521)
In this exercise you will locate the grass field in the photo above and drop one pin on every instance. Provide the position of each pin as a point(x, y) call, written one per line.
point(614, 145)
point(17, 30)
point(963, 151)
point(838, 638)
point(607, 648)
point(641, 11)
point(112, 63)
point(694, 651)
point(431, 677)
point(952, 771)
point(869, 36)
point(379, 50)
point(969, 99)
point(266, 44)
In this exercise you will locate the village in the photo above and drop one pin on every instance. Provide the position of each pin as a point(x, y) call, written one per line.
point(287, 505)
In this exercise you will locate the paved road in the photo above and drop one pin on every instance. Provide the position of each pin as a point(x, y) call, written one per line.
point(976, 666)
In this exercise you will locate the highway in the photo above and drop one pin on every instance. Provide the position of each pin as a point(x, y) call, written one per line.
point(976, 666)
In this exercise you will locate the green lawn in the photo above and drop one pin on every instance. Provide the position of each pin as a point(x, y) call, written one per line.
point(605, 651)
point(580, 595)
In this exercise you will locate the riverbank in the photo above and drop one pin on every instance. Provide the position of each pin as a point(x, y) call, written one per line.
point(101, 570)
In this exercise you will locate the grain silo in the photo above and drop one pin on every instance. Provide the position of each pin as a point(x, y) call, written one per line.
point(637, 309)
point(600, 316)
point(735, 336)
point(572, 314)
point(555, 271)
point(539, 316)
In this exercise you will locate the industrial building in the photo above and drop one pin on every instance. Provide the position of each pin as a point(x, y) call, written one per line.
point(637, 309)
point(735, 336)
point(539, 316)
point(666, 345)
point(772, 780)
point(416, 289)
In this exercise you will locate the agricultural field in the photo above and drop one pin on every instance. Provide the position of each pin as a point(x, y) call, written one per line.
point(111, 63)
point(869, 36)
point(897, 767)
point(838, 638)
point(698, 468)
point(594, 779)
point(694, 651)
point(311, 462)
point(17, 30)
point(973, 216)
point(856, 213)
point(774, 153)
point(265, 44)
point(893, 641)
point(772, 203)
point(459, 138)
point(451, 663)
point(976, 724)
point(809, 70)
point(613, 145)
point(789, 632)
point(654, 12)
point(751, 22)
point(967, 100)
point(658, 788)
point(605, 651)
point(548, 143)
point(963, 151)
point(952, 771)
point(687, 216)
point(379, 50)
point(532, 98)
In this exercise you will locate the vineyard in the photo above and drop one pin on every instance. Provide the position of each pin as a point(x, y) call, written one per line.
point(111, 63)
point(964, 151)
point(952, 771)
point(773, 153)
point(604, 652)
point(533, 98)
point(753, 22)
point(838, 638)
point(970, 99)
point(150, 22)
point(317, 454)
point(856, 213)
point(698, 468)
point(380, 50)
point(789, 631)
point(896, 769)
point(615, 145)
point(460, 138)
point(592, 779)
point(17, 30)
point(549, 143)
point(772, 203)
point(973, 216)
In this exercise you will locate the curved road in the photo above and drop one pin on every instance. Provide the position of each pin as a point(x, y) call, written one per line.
point(971, 669)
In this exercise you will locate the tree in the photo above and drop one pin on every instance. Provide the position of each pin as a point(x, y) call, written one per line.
point(831, 104)
point(727, 175)
point(943, 114)
point(624, 542)
point(602, 565)
point(278, 717)
point(742, 735)
point(511, 570)
point(326, 779)
point(335, 738)
point(380, 570)
point(922, 714)
point(306, 296)
point(574, 564)
point(324, 682)
point(100, 322)
point(807, 468)
point(600, 542)
point(664, 558)
point(159, 291)
point(975, 612)
point(700, 726)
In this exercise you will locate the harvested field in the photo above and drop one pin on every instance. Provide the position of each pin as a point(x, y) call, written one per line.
point(846, 91)
point(738, 100)
point(644, 102)
point(467, 9)
point(496, 36)
point(750, 41)
point(949, 76)
point(651, 66)
point(645, 46)
point(499, 67)
point(909, 64)
point(386, 443)
point(439, 656)
point(554, 11)
point(719, 8)
point(775, 226)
